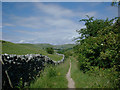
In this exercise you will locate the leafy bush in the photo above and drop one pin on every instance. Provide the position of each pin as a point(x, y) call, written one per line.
point(50, 50)
point(99, 44)
point(60, 51)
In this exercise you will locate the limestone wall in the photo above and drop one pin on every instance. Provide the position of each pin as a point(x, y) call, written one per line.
point(25, 68)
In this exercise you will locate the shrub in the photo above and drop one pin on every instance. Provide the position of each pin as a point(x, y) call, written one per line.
point(50, 50)
point(99, 45)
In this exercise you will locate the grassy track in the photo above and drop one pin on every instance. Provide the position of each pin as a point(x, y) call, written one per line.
point(22, 49)
point(85, 80)
point(53, 77)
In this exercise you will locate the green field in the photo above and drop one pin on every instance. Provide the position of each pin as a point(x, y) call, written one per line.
point(52, 77)
point(64, 46)
point(45, 45)
point(22, 49)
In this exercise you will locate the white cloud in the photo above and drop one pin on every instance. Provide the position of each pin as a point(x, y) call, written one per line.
point(54, 10)
point(0, 26)
point(21, 41)
point(58, 11)
point(60, 28)
point(54, 16)
point(59, 36)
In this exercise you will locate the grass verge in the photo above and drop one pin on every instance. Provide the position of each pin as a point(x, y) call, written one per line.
point(52, 77)
point(98, 79)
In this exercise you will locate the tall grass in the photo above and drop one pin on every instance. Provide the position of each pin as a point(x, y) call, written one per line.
point(52, 77)
point(95, 79)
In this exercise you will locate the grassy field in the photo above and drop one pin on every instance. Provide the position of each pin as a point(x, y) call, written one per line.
point(64, 46)
point(98, 79)
point(22, 49)
point(52, 77)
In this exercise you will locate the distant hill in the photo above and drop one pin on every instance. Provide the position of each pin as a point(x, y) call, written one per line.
point(65, 46)
point(45, 45)
point(22, 49)
point(13, 48)
point(25, 48)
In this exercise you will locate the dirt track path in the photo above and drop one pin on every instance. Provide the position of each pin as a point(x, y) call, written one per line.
point(71, 83)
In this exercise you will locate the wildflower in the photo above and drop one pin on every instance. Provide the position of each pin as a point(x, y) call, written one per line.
point(59, 74)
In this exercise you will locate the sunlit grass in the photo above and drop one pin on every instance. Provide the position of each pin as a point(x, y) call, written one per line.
point(98, 79)
point(19, 49)
point(53, 77)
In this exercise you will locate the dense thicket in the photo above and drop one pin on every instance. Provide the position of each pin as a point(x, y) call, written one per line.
point(99, 44)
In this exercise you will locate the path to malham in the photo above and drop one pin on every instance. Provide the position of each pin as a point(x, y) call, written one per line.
point(71, 83)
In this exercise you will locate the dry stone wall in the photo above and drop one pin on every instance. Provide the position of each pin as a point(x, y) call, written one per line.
point(23, 67)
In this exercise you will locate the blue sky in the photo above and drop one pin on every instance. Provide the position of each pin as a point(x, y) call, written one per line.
point(54, 23)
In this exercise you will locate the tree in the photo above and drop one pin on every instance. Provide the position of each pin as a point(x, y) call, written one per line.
point(93, 26)
point(115, 3)
point(98, 44)
point(50, 50)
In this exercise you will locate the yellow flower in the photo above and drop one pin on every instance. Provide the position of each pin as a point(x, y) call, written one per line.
point(59, 74)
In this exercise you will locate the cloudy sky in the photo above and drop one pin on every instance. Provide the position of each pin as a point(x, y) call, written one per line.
point(54, 23)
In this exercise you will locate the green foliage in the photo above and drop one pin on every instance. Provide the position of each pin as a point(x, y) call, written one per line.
point(63, 51)
point(52, 72)
point(99, 44)
point(52, 77)
point(60, 51)
point(95, 77)
point(115, 3)
point(93, 26)
point(99, 48)
point(50, 50)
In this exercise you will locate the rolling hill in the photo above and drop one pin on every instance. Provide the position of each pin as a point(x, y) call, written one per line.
point(22, 49)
